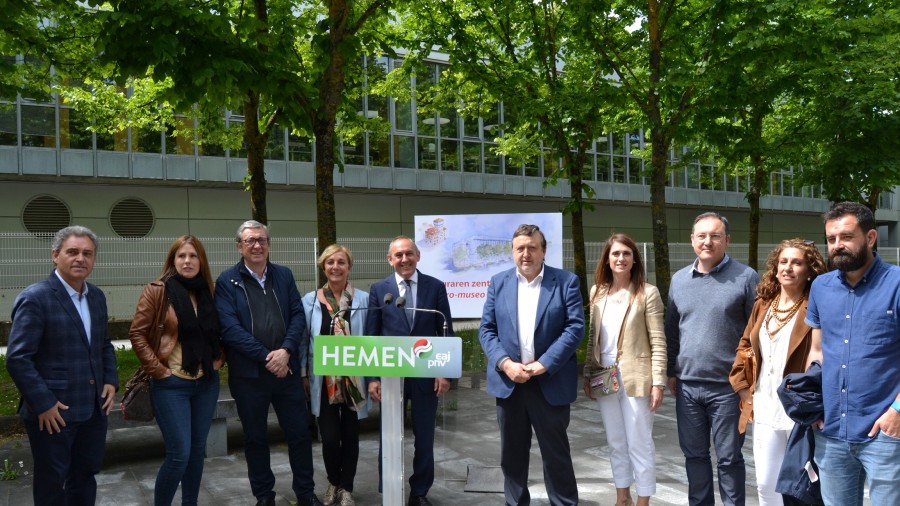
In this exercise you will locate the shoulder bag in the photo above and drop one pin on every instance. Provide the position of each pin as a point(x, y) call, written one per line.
point(605, 380)
point(136, 404)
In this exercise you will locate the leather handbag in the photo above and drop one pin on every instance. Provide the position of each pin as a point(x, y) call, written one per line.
point(136, 404)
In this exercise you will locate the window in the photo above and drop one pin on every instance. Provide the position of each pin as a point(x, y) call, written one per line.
point(74, 130)
point(38, 126)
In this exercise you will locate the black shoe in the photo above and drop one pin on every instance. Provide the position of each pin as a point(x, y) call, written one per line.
point(312, 500)
point(266, 501)
point(415, 500)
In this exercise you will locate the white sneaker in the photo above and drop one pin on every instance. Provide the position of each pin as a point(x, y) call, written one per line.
point(330, 495)
point(346, 498)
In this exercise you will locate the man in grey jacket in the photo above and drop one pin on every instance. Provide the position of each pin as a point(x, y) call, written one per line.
point(710, 302)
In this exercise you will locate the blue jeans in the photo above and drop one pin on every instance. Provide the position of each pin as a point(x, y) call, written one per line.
point(184, 409)
point(701, 407)
point(253, 396)
point(844, 468)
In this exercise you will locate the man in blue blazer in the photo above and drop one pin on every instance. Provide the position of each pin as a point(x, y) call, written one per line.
point(419, 291)
point(64, 365)
point(533, 322)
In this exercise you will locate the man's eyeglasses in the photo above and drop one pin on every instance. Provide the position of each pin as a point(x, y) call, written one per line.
point(253, 241)
point(711, 237)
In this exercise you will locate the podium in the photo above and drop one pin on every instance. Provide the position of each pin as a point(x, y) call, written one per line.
point(391, 358)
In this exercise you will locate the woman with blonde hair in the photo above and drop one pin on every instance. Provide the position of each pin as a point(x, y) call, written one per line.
point(625, 370)
point(339, 402)
point(776, 342)
point(175, 335)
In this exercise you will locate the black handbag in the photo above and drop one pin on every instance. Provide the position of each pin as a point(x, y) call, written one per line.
point(136, 404)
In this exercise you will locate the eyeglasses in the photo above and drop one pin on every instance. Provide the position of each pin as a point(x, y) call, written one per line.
point(253, 241)
point(711, 237)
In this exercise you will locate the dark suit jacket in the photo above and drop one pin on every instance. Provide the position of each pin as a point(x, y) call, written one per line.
point(558, 331)
point(246, 355)
point(391, 321)
point(49, 357)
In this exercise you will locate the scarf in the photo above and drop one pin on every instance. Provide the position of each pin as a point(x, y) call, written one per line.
point(198, 332)
point(341, 389)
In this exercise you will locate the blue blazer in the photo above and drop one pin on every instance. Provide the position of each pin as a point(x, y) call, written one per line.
point(245, 353)
point(313, 310)
point(49, 357)
point(391, 321)
point(558, 331)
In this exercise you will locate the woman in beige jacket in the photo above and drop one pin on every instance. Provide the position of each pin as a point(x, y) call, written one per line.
point(627, 329)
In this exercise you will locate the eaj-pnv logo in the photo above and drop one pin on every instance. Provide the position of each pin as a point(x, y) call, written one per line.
point(422, 348)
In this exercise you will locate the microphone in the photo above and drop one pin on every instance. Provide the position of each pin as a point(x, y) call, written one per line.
point(401, 304)
point(388, 298)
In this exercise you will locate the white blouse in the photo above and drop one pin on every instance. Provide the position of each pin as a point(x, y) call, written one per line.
point(610, 325)
point(773, 350)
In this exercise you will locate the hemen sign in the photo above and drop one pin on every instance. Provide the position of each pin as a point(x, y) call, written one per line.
point(392, 356)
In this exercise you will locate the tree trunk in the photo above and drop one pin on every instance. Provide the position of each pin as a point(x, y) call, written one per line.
point(759, 176)
point(324, 121)
point(659, 162)
point(577, 209)
point(255, 142)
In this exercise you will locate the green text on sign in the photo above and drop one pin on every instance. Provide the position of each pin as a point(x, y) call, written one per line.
point(398, 356)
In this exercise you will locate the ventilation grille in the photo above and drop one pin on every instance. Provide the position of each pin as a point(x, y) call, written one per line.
point(45, 214)
point(131, 217)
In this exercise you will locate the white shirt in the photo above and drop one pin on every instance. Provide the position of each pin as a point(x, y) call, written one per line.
point(610, 328)
point(259, 279)
point(528, 294)
point(81, 304)
point(767, 407)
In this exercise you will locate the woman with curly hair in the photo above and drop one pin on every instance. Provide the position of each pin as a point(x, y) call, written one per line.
point(776, 342)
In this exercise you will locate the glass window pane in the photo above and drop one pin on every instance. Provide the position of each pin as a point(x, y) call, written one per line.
point(449, 155)
point(491, 124)
point(471, 157)
point(602, 167)
point(179, 138)
point(38, 126)
point(73, 130)
point(532, 169)
point(693, 176)
point(618, 169)
point(427, 153)
point(379, 150)
point(8, 131)
point(449, 124)
point(551, 162)
point(299, 148)
point(511, 169)
point(354, 150)
point(491, 160)
point(635, 169)
point(275, 147)
point(146, 141)
point(404, 154)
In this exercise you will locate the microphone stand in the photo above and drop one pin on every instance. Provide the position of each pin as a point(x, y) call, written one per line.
point(401, 304)
point(388, 298)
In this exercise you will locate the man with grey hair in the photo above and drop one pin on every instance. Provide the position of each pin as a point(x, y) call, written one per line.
point(264, 331)
point(64, 365)
point(710, 302)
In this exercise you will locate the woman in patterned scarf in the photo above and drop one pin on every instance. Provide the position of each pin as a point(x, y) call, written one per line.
point(338, 402)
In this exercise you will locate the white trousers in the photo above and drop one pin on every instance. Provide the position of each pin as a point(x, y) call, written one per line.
point(629, 433)
point(768, 453)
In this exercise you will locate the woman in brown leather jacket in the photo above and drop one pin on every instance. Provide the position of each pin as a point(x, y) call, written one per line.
point(175, 334)
point(775, 342)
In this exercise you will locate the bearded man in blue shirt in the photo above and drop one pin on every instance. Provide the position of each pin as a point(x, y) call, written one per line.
point(854, 312)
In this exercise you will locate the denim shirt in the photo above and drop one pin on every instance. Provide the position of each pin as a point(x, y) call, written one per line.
point(860, 346)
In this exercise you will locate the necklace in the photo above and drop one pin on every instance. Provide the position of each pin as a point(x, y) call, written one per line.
point(788, 313)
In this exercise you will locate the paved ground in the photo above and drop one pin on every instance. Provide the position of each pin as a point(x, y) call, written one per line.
point(467, 436)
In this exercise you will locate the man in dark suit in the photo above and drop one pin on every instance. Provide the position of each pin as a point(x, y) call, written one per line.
point(533, 322)
point(419, 291)
point(264, 331)
point(64, 365)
